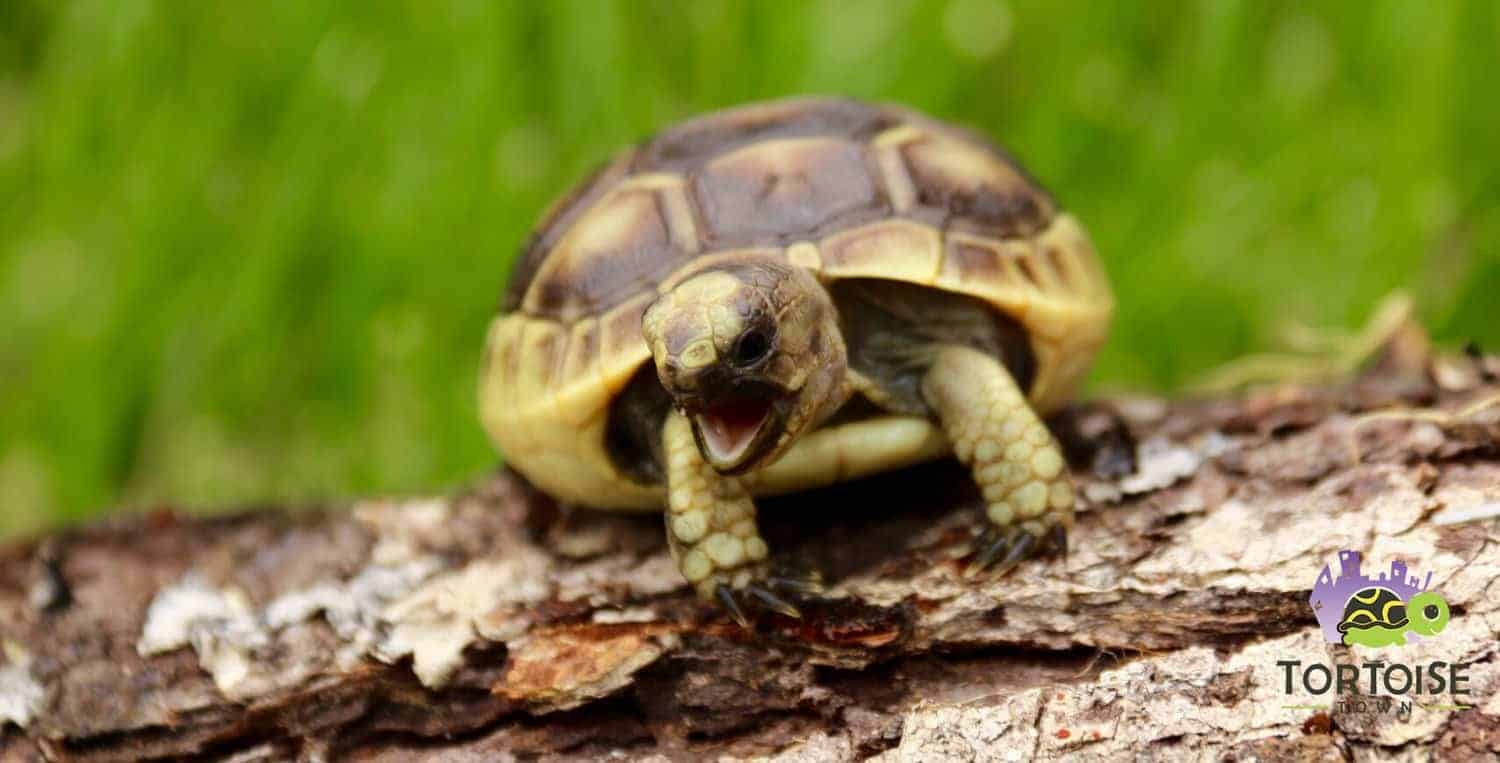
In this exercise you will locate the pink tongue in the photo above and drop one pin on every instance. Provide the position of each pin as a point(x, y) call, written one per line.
point(728, 429)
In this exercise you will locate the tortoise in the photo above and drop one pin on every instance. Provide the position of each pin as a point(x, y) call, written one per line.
point(785, 295)
point(1377, 616)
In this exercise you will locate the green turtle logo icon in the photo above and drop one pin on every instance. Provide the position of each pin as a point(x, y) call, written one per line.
point(1376, 616)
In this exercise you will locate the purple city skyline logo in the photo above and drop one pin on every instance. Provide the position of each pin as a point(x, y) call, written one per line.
point(1375, 612)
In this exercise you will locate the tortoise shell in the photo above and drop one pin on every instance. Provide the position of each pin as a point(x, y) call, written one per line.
point(843, 188)
point(1374, 607)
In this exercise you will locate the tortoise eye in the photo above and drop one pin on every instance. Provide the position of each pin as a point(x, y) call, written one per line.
point(752, 347)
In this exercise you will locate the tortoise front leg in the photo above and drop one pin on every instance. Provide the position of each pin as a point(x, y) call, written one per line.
point(1015, 460)
point(711, 529)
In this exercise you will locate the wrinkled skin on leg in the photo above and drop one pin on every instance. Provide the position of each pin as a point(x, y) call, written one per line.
point(1014, 458)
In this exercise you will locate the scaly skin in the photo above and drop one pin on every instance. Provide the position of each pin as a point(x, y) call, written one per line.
point(710, 518)
point(1015, 460)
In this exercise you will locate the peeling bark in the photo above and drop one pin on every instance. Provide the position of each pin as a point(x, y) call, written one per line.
point(497, 623)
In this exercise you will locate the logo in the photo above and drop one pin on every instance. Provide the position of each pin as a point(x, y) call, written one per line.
point(1387, 610)
point(1375, 612)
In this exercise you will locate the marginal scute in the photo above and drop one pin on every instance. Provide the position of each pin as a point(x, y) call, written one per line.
point(1069, 247)
point(583, 350)
point(578, 380)
point(783, 188)
point(1015, 272)
point(505, 364)
point(973, 261)
point(622, 348)
point(1024, 261)
point(896, 249)
point(542, 351)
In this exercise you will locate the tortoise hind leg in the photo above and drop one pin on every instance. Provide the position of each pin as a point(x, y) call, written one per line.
point(1018, 465)
point(711, 530)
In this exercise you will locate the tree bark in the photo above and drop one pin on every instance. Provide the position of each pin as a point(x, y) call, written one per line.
point(494, 622)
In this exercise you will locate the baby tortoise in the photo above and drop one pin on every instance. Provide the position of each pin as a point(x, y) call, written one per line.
point(786, 295)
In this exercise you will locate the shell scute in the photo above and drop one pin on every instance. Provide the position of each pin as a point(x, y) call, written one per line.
point(690, 144)
point(621, 247)
point(581, 363)
point(783, 188)
point(968, 261)
point(543, 346)
point(999, 270)
point(555, 222)
point(984, 192)
point(895, 249)
point(621, 347)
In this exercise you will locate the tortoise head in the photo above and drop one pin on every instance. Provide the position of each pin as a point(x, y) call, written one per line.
point(750, 350)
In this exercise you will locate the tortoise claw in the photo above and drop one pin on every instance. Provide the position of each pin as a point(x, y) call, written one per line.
point(1057, 540)
point(1004, 549)
point(1022, 545)
point(774, 603)
point(991, 544)
point(725, 596)
point(774, 593)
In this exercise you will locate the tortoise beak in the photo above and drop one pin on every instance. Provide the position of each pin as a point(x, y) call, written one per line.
point(735, 430)
point(729, 429)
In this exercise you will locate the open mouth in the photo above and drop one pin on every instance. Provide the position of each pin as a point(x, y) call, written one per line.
point(730, 431)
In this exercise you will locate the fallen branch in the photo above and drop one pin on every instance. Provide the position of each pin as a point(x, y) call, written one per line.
point(495, 621)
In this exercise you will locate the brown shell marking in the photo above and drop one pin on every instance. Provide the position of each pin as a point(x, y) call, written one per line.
point(982, 191)
point(556, 220)
point(621, 247)
point(689, 145)
point(766, 175)
point(786, 187)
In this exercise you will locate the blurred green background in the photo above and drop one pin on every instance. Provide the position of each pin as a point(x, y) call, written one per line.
point(248, 250)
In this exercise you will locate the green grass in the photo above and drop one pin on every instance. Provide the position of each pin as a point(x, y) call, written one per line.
point(248, 250)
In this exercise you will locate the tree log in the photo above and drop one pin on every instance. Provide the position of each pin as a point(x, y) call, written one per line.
point(494, 623)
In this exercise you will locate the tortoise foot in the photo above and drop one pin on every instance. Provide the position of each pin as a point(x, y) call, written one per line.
point(998, 549)
point(770, 593)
